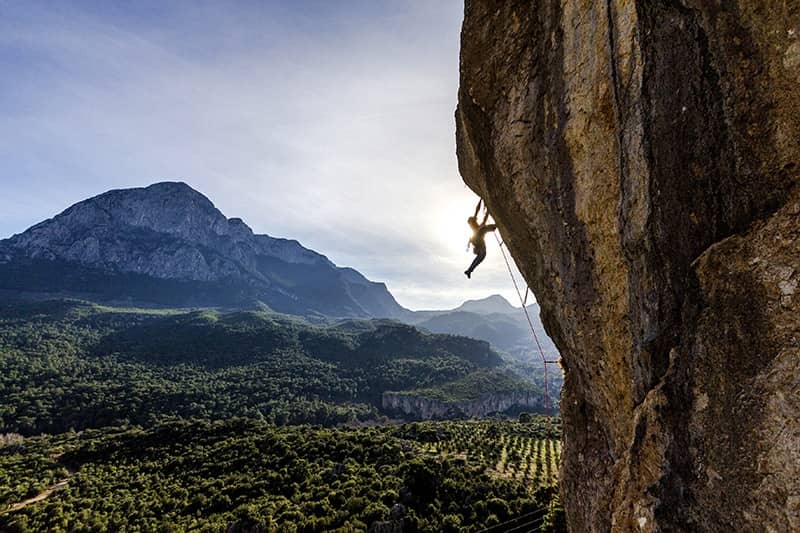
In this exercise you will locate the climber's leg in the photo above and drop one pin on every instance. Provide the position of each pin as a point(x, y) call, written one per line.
point(480, 255)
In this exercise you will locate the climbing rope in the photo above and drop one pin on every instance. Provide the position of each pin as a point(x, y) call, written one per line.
point(529, 523)
point(530, 526)
point(523, 301)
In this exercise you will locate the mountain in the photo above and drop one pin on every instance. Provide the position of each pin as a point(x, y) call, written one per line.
point(485, 306)
point(167, 244)
point(494, 320)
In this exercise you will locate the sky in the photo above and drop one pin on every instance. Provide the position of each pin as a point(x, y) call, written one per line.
point(326, 122)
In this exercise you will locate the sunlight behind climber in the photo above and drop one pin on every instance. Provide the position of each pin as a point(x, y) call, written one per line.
point(477, 240)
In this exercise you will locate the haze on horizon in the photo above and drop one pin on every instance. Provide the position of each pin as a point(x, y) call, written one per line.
point(329, 123)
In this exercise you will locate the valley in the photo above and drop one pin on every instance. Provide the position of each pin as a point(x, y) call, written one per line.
point(75, 365)
point(164, 368)
point(240, 474)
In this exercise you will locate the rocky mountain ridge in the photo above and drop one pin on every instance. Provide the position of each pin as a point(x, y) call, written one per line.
point(172, 233)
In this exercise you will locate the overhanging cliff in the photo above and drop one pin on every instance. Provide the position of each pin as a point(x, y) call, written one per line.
point(641, 160)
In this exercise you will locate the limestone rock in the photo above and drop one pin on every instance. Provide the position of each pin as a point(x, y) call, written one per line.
point(641, 160)
point(169, 231)
point(430, 409)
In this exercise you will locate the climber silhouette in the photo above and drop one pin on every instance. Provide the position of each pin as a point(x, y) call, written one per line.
point(478, 234)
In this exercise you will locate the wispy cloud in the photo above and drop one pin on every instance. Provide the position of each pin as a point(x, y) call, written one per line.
point(328, 122)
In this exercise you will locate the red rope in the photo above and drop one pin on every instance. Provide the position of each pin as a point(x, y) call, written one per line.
point(545, 362)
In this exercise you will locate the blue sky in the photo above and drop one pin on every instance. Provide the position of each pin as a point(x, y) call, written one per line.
point(327, 122)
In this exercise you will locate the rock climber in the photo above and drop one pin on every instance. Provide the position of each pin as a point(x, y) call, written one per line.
point(478, 234)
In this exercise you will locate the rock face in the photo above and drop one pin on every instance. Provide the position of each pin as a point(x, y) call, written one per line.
point(428, 409)
point(641, 159)
point(170, 232)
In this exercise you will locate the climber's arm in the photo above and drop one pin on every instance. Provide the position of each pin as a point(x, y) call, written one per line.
point(478, 207)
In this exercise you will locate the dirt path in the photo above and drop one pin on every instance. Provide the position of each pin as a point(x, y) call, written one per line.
point(39, 497)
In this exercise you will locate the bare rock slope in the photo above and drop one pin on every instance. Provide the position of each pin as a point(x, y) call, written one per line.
point(489, 404)
point(168, 244)
point(641, 159)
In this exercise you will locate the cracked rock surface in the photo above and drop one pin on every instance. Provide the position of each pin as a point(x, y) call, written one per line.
point(641, 160)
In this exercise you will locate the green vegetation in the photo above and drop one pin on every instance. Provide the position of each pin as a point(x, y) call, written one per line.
point(242, 473)
point(72, 365)
point(473, 386)
point(524, 451)
point(131, 419)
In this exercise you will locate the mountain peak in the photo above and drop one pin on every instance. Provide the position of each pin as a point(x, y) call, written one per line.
point(180, 186)
point(491, 304)
point(496, 298)
point(172, 189)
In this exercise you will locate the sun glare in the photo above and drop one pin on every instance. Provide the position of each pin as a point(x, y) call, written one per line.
point(452, 228)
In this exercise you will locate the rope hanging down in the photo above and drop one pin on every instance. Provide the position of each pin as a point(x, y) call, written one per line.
point(522, 300)
point(526, 516)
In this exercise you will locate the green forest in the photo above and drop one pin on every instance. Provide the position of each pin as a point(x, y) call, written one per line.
point(70, 365)
point(162, 420)
point(242, 474)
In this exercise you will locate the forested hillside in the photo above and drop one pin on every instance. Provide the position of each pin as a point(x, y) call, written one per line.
point(174, 420)
point(73, 365)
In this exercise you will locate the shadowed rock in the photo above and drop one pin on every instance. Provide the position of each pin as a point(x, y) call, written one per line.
point(640, 159)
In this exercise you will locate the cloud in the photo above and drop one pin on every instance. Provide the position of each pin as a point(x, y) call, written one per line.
point(328, 122)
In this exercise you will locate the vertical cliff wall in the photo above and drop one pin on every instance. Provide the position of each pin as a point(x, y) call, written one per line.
point(641, 159)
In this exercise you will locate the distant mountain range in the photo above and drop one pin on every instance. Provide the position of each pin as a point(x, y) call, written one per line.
point(494, 320)
point(167, 245)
